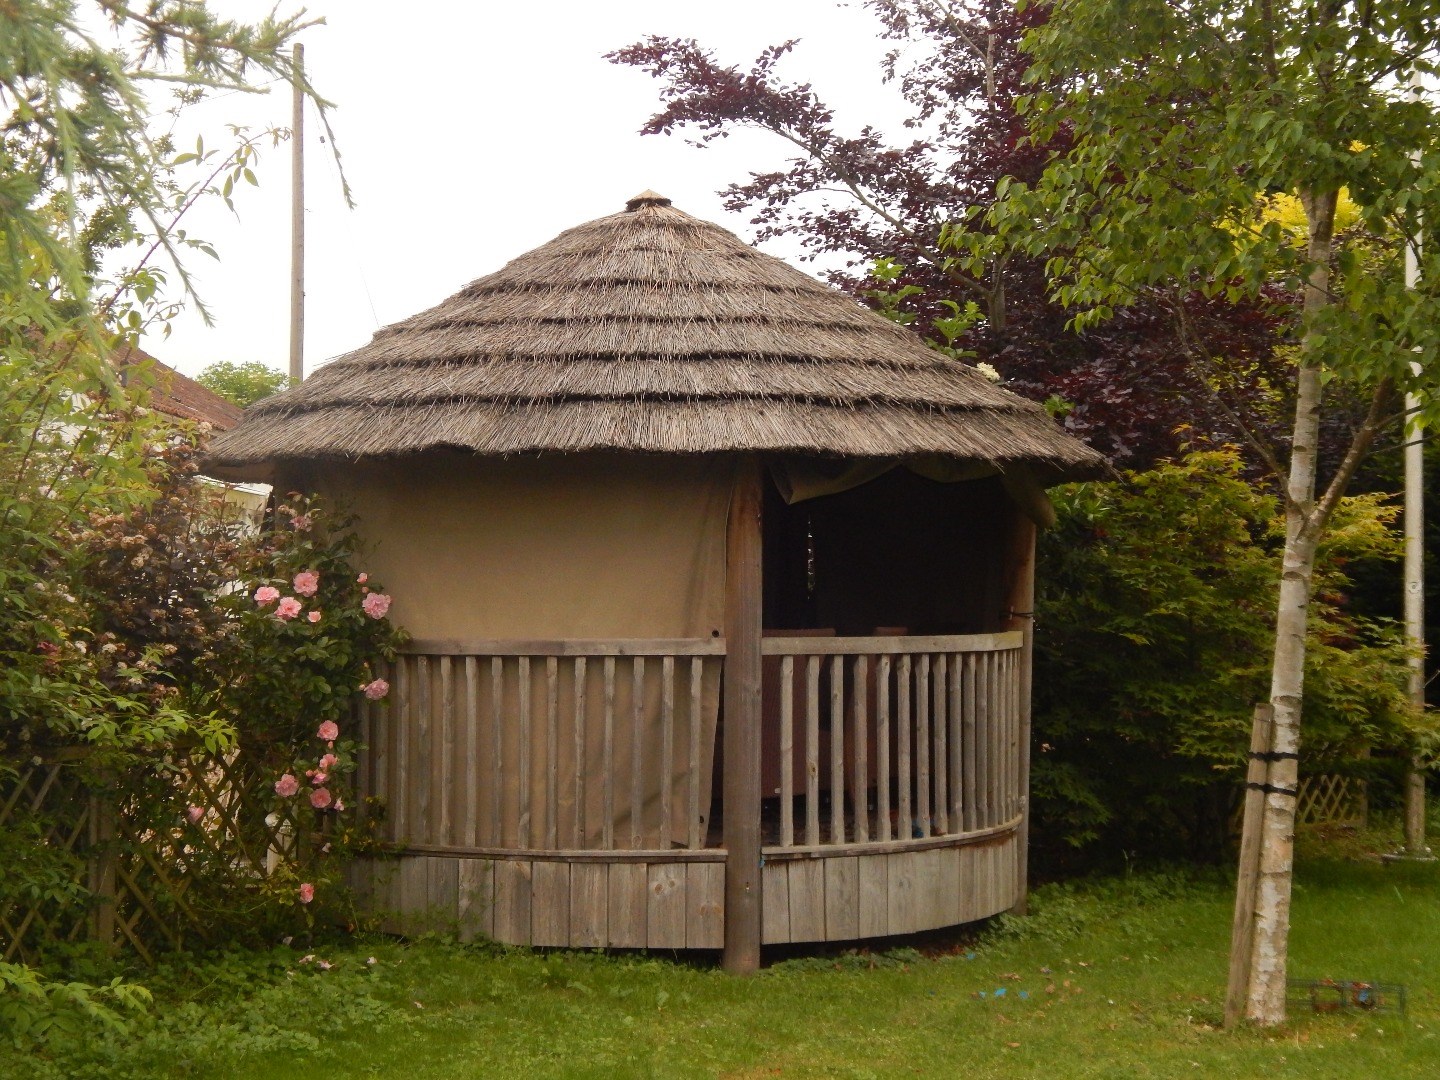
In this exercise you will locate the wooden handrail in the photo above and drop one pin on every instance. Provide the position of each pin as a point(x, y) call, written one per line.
point(712, 646)
point(891, 646)
point(715, 646)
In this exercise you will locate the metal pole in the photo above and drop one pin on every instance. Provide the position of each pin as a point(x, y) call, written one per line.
point(297, 221)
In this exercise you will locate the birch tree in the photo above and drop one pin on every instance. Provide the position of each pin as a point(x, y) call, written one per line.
point(1188, 120)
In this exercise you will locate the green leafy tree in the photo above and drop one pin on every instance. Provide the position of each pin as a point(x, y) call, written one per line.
point(1184, 119)
point(1156, 598)
point(242, 384)
point(105, 574)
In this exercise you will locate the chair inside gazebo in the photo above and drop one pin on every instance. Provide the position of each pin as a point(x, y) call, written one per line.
point(572, 793)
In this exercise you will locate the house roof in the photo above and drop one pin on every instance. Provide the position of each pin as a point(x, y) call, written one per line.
point(650, 330)
point(174, 394)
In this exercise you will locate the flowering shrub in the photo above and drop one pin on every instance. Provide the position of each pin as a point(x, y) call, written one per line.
point(305, 631)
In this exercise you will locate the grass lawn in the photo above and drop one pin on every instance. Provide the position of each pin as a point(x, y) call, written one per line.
point(1115, 978)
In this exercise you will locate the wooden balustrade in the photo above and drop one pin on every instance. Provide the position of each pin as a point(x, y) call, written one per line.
point(636, 716)
point(881, 740)
point(921, 737)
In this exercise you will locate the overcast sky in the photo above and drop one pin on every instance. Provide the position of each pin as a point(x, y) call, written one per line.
point(470, 133)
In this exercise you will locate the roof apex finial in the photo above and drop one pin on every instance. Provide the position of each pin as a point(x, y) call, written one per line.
point(646, 198)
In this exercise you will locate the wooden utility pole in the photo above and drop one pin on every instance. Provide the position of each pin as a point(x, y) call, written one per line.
point(297, 220)
point(741, 786)
point(1022, 617)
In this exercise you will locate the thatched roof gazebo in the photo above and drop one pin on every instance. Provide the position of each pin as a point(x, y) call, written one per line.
point(564, 469)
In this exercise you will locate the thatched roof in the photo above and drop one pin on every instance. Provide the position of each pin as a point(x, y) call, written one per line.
point(652, 331)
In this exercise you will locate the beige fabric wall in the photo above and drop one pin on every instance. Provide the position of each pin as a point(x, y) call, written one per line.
point(556, 547)
point(547, 548)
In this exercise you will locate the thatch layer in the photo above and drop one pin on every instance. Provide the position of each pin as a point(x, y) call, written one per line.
point(650, 331)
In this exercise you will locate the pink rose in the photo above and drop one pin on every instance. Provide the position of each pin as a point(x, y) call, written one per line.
point(286, 786)
point(319, 776)
point(327, 732)
point(376, 690)
point(328, 761)
point(306, 583)
point(300, 523)
point(314, 616)
point(288, 608)
point(320, 798)
point(376, 605)
point(307, 892)
point(195, 813)
point(266, 595)
point(339, 805)
point(361, 579)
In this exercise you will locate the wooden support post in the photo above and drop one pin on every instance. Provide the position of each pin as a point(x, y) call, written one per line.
point(741, 784)
point(1022, 618)
point(1242, 930)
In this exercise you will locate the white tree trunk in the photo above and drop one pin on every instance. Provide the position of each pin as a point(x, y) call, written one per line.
point(1266, 999)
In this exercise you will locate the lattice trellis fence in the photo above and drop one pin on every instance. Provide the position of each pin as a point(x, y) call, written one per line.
point(141, 857)
point(1331, 799)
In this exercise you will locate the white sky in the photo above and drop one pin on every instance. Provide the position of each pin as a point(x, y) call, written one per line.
point(472, 132)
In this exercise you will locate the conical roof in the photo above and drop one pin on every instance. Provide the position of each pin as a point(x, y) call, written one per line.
point(651, 331)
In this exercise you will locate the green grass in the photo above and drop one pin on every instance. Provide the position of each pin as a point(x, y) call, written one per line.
point(1115, 978)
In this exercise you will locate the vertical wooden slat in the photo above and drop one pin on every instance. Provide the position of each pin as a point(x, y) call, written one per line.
point(842, 899)
point(475, 911)
point(552, 758)
point(607, 826)
point(383, 752)
point(776, 928)
point(667, 747)
point(906, 828)
point(427, 759)
point(550, 903)
point(860, 739)
point(364, 782)
point(954, 723)
point(787, 751)
point(637, 746)
point(967, 704)
point(522, 757)
point(982, 740)
point(512, 901)
point(705, 905)
point(812, 750)
point(922, 745)
point(445, 754)
point(1012, 713)
point(665, 914)
point(837, 749)
point(400, 779)
point(997, 725)
point(807, 899)
point(873, 885)
point(697, 669)
point(626, 910)
point(497, 750)
point(589, 905)
point(882, 746)
point(580, 763)
point(1017, 709)
point(468, 794)
point(940, 729)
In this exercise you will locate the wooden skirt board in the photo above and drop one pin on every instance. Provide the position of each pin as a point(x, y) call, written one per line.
point(660, 904)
